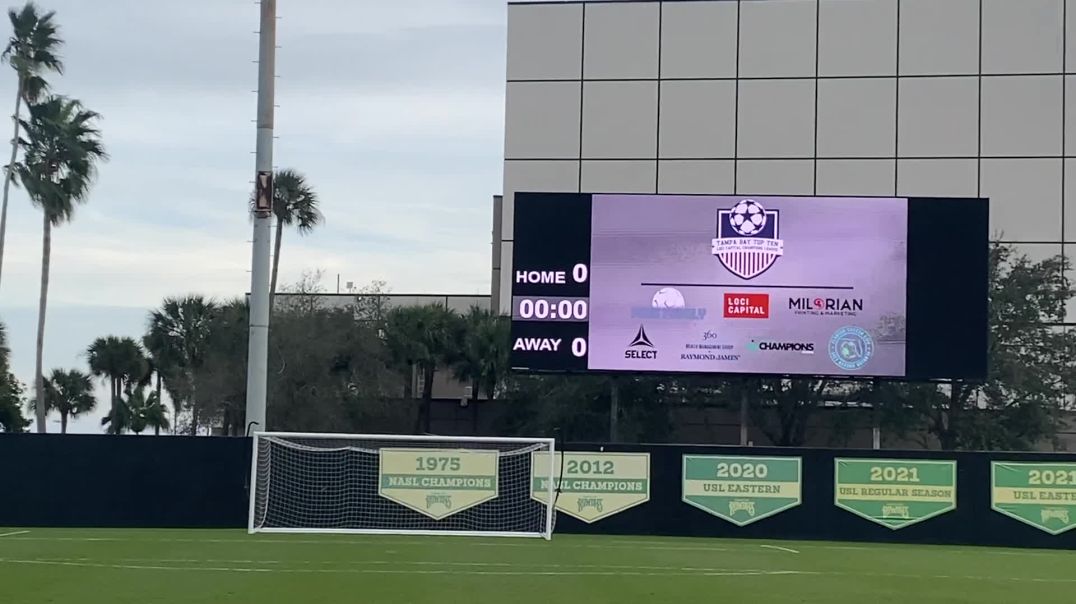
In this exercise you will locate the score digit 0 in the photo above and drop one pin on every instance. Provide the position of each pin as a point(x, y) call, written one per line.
point(579, 347)
point(580, 273)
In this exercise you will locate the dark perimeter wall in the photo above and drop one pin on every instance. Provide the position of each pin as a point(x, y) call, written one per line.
point(184, 482)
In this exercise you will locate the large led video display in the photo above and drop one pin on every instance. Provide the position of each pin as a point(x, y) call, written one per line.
point(765, 285)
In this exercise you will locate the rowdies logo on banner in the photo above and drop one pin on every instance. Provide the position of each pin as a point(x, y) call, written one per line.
point(748, 239)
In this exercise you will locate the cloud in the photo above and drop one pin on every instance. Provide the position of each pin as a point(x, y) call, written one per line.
point(394, 111)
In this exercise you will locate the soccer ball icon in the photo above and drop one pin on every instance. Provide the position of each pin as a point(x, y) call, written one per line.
point(748, 218)
point(667, 298)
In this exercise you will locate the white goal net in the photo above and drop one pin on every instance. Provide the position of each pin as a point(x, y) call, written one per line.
point(390, 484)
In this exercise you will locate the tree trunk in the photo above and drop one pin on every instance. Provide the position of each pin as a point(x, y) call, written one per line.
point(114, 399)
point(63, 422)
point(39, 378)
point(10, 172)
point(276, 261)
point(745, 405)
point(156, 429)
point(194, 408)
point(614, 410)
point(423, 420)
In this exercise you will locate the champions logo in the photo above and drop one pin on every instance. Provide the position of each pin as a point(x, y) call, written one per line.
point(748, 239)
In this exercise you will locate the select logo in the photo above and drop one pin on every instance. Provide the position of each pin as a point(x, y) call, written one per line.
point(747, 306)
point(641, 347)
point(767, 346)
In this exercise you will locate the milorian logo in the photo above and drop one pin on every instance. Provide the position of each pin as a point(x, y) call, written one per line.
point(748, 239)
point(641, 347)
point(830, 307)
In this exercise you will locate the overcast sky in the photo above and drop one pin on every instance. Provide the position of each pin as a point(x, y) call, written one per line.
point(393, 109)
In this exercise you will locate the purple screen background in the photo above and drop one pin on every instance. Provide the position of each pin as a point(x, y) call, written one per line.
point(828, 241)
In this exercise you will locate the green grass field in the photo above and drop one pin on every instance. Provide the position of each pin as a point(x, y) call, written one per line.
point(187, 567)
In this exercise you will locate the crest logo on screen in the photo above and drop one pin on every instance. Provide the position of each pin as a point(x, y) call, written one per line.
point(747, 306)
point(851, 348)
point(748, 239)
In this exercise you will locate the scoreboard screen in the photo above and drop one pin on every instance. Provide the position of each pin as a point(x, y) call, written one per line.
point(763, 285)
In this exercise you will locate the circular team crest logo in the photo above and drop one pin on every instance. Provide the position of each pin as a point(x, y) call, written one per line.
point(851, 348)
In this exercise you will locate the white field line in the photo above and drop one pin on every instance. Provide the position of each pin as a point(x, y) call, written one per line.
point(15, 533)
point(455, 571)
point(387, 571)
point(330, 541)
point(159, 561)
point(780, 549)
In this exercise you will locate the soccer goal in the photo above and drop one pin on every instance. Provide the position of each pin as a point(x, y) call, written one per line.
point(396, 484)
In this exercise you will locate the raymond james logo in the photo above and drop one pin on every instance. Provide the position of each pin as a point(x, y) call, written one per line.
point(641, 347)
point(747, 306)
point(668, 304)
point(826, 307)
point(851, 348)
point(710, 349)
point(748, 239)
point(766, 346)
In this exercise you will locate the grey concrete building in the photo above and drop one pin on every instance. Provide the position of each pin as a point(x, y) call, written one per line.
point(846, 97)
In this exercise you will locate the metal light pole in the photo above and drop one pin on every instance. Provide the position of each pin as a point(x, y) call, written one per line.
point(258, 349)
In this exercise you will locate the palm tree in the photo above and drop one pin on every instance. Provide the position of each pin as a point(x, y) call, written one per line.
point(32, 50)
point(121, 362)
point(145, 412)
point(62, 148)
point(70, 393)
point(178, 333)
point(482, 355)
point(422, 338)
point(294, 202)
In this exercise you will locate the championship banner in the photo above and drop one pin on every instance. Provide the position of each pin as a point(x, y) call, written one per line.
point(438, 482)
point(592, 485)
point(895, 493)
point(742, 490)
point(1040, 494)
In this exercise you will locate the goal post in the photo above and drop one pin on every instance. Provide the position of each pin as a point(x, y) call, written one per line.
point(402, 485)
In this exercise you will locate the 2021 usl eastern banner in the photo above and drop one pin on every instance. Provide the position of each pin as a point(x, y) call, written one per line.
point(1040, 494)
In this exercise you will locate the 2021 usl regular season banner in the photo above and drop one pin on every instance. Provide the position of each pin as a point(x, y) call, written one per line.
point(592, 485)
point(1040, 494)
point(438, 482)
point(742, 490)
point(895, 493)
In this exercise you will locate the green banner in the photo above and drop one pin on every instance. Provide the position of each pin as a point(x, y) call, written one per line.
point(895, 493)
point(1040, 494)
point(592, 485)
point(742, 490)
point(438, 482)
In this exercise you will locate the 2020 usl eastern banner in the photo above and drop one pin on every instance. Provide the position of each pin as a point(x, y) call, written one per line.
point(735, 284)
